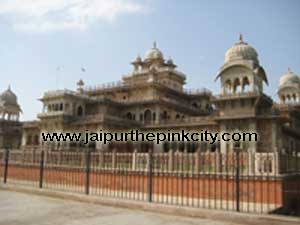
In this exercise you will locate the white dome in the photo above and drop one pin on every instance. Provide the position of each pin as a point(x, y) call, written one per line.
point(154, 53)
point(289, 79)
point(8, 97)
point(241, 51)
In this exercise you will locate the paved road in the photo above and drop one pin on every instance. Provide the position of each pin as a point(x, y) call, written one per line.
point(25, 209)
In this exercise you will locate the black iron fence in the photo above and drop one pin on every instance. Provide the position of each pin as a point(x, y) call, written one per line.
point(239, 181)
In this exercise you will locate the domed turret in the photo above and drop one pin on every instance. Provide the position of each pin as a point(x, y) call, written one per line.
point(289, 79)
point(241, 71)
point(8, 97)
point(241, 51)
point(9, 107)
point(289, 88)
point(153, 53)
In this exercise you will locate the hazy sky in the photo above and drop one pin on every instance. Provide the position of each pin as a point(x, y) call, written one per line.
point(38, 36)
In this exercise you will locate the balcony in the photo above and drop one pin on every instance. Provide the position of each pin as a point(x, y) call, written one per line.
point(45, 115)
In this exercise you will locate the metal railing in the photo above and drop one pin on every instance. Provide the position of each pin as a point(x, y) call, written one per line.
point(239, 181)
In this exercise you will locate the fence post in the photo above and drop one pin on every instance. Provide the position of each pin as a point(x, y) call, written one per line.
point(6, 165)
point(237, 179)
point(42, 169)
point(150, 169)
point(87, 171)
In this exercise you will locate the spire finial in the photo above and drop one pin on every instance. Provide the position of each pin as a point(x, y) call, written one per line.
point(9, 88)
point(289, 70)
point(154, 44)
point(241, 38)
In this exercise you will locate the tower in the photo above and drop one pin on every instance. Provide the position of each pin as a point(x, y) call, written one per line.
point(242, 99)
point(241, 71)
point(289, 88)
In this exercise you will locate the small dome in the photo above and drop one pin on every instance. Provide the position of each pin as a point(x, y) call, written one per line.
point(241, 51)
point(137, 60)
point(153, 53)
point(80, 83)
point(289, 79)
point(8, 97)
point(170, 61)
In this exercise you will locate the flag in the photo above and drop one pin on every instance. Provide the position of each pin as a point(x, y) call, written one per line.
point(83, 69)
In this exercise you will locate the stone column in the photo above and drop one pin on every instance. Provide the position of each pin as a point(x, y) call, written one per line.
point(157, 112)
point(253, 144)
point(251, 162)
point(223, 146)
point(114, 154)
point(134, 157)
point(171, 160)
point(158, 147)
point(274, 134)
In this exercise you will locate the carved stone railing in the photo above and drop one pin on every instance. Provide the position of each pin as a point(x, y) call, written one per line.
point(250, 164)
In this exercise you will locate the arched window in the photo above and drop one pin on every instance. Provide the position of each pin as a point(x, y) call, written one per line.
point(245, 84)
point(288, 98)
point(166, 146)
point(36, 140)
point(213, 147)
point(129, 116)
point(80, 111)
point(92, 146)
point(181, 146)
point(294, 98)
point(195, 105)
point(29, 140)
point(61, 107)
point(147, 116)
point(165, 115)
point(228, 86)
point(174, 146)
point(236, 86)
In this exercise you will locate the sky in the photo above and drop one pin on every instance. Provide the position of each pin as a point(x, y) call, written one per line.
point(45, 43)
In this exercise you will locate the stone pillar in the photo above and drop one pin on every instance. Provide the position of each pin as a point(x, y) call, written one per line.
point(158, 147)
point(197, 160)
point(223, 144)
point(134, 157)
point(251, 162)
point(218, 161)
point(274, 134)
point(253, 144)
point(171, 160)
point(114, 154)
point(276, 163)
point(101, 159)
point(1, 141)
point(157, 112)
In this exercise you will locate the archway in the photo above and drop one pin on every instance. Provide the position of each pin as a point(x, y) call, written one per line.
point(147, 116)
point(80, 111)
point(228, 87)
point(236, 86)
point(245, 85)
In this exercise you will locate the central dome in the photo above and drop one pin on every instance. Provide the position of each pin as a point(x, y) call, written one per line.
point(154, 53)
point(241, 51)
